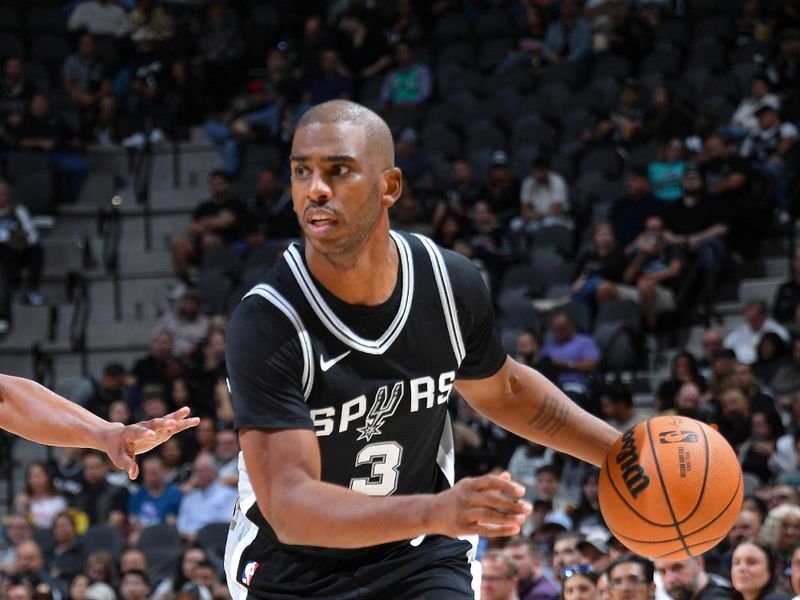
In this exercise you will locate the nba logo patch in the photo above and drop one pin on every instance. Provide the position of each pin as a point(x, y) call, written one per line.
point(249, 570)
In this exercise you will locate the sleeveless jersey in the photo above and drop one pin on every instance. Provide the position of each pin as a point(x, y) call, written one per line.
point(373, 383)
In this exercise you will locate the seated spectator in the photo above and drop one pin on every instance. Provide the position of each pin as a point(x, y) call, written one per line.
point(734, 420)
point(502, 190)
point(528, 351)
point(757, 452)
point(787, 296)
point(771, 147)
point(666, 173)
point(120, 412)
point(616, 406)
point(215, 222)
point(628, 33)
point(786, 381)
point(461, 196)
point(568, 39)
point(684, 370)
point(42, 131)
point(744, 339)
point(625, 123)
point(209, 502)
point(364, 50)
point(97, 395)
point(566, 552)
point(758, 397)
point(133, 559)
point(135, 585)
point(699, 226)
point(20, 251)
point(226, 451)
point(711, 343)
point(156, 370)
point(29, 564)
point(600, 265)
point(687, 578)
point(529, 561)
point(628, 214)
point(68, 554)
point(101, 501)
point(406, 23)
point(220, 47)
point(15, 94)
point(17, 528)
point(207, 368)
point(721, 372)
point(149, 14)
point(406, 87)
point(145, 101)
point(529, 41)
point(156, 501)
point(270, 211)
point(780, 533)
point(100, 17)
point(205, 576)
point(184, 573)
point(498, 576)
point(653, 275)
point(785, 70)
point(543, 201)
point(691, 403)
point(587, 515)
point(525, 463)
point(771, 355)
point(744, 121)
point(87, 80)
point(488, 237)
point(412, 162)
point(40, 500)
point(574, 355)
point(101, 569)
point(173, 455)
point(330, 83)
point(187, 325)
point(666, 118)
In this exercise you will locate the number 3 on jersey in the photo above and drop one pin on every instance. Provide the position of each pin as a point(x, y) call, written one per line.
point(384, 459)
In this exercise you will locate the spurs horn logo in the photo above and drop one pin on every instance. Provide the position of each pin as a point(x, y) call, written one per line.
point(384, 407)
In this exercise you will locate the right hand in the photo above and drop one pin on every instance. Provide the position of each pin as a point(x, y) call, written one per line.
point(490, 506)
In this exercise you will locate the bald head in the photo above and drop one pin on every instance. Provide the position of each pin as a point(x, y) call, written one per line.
point(378, 135)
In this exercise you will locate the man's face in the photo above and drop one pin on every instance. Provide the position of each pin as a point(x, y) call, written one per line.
point(86, 46)
point(679, 577)
point(28, 558)
point(636, 186)
point(267, 183)
point(18, 592)
point(94, 469)
point(162, 345)
point(565, 554)
point(133, 587)
point(13, 68)
point(152, 473)
point(754, 317)
point(337, 187)
point(627, 582)
point(205, 576)
point(562, 328)
point(226, 445)
point(496, 582)
point(132, 560)
point(521, 557)
point(547, 485)
point(743, 376)
point(220, 186)
point(204, 472)
point(712, 341)
point(747, 525)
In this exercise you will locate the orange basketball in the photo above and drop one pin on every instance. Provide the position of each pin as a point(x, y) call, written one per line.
point(671, 487)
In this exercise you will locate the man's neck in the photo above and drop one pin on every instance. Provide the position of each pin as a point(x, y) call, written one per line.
point(367, 276)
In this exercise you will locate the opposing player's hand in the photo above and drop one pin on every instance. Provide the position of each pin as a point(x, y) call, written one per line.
point(491, 506)
point(124, 444)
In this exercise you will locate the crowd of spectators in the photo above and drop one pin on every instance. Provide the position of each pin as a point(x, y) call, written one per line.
point(641, 148)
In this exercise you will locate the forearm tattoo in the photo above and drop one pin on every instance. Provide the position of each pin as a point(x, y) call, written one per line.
point(551, 416)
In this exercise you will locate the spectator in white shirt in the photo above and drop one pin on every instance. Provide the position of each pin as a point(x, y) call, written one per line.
point(744, 339)
point(100, 17)
point(744, 119)
point(544, 200)
point(209, 502)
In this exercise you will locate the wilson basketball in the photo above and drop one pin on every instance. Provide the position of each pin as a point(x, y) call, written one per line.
point(671, 487)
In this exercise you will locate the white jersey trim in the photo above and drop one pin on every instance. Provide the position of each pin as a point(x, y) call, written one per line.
point(446, 297)
point(271, 294)
point(335, 325)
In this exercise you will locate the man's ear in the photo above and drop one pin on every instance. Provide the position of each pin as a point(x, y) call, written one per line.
point(391, 186)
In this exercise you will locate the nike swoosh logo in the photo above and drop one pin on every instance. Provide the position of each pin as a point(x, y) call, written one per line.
point(327, 364)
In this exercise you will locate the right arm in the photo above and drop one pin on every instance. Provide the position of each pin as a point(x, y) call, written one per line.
point(284, 467)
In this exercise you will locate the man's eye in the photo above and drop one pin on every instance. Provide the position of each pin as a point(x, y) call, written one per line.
point(341, 170)
point(301, 172)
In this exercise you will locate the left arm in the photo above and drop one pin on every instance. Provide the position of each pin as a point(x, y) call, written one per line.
point(32, 411)
point(522, 401)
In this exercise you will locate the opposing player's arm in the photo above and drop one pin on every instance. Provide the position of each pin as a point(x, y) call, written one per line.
point(523, 401)
point(32, 411)
point(284, 469)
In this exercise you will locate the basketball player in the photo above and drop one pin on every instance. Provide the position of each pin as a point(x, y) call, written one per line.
point(341, 364)
point(32, 411)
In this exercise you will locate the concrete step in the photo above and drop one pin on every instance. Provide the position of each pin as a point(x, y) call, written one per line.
point(777, 267)
point(759, 289)
point(67, 365)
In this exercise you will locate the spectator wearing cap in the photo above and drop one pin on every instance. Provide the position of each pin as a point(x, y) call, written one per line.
point(209, 502)
point(96, 395)
point(628, 213)
point(528, 559)
point(411, 161)
point(744, 121)
point(699, 225)
point(744, 339)
point(772, 146)
point(406, 87)
point(214, 223)
point(543, 201)
point(594, 549)
point(502, 191)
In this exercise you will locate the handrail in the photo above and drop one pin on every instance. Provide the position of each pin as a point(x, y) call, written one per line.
point(78, 293)
point(109, 227)
point(142, 170)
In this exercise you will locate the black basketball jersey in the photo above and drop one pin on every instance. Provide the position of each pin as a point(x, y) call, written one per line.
point(372, 382)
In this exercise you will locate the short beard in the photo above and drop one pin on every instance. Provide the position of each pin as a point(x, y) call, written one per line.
point(680, 592)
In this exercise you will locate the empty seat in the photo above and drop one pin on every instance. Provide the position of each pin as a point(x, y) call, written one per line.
point(611, 65)
point(482, 134)
point(9, 19)
point(462, 53)
point(557, 238)
point(50, 48)
point(31, 176)
point(492, 24)
point(440, 139)
point(11, 45)
point(46, 20)
point(522, 157)
point(492, 52)
point(531, 129)
point(452, 27)
point(162, 545)
point(674, 31)
point(603, 159)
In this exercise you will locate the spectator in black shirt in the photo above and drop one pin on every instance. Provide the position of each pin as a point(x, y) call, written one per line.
point(96, 395)
point(145, 102)
point(666, 119)
point(42, 131)
point(787, 297)
point(364, 49)
point(101, 501)
point(502, 193)
point(461, 196)
point(214, 222)
point(603, 262)
point(157, 370)
point(628, 214)
point(270, 211)
point(328, 82)
point(15, 93)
